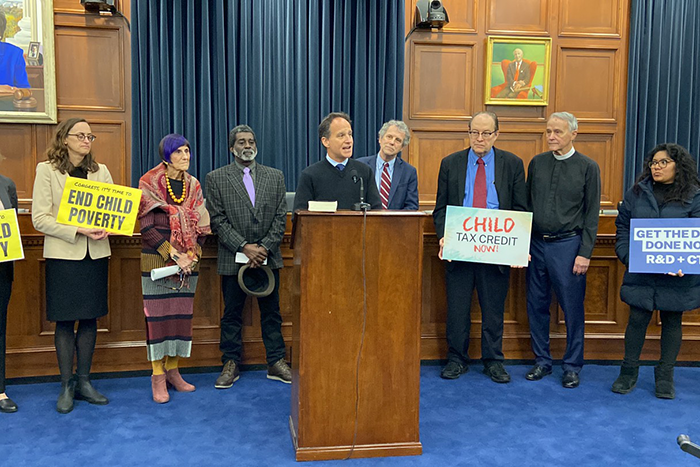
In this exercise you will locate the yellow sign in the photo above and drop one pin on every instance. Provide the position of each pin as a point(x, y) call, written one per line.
point(97, 205)
point(10, 240)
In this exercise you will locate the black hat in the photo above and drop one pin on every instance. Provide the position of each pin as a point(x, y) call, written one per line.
point(258, 282)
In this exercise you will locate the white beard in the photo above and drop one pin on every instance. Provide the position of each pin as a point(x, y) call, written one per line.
point(246, 154)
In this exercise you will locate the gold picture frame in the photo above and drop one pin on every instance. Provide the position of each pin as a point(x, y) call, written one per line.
point(31, 23)
point(517, 70)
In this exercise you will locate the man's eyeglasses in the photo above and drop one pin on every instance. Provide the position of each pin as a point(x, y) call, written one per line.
point(483, 134)
point(662, 163)
point(83, 136)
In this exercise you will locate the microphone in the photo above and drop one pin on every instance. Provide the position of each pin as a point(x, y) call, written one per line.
point(361, 206)
point(688, 446)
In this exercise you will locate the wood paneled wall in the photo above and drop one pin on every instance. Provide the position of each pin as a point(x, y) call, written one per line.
point(121, 334)
point(445, 72)
point(444, 86)
point(93, 81)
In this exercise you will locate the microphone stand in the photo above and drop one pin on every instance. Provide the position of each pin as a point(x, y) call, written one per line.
point(688, 446)
point(361, 206)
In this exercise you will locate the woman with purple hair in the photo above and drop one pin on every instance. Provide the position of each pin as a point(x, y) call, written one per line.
point(174, 224)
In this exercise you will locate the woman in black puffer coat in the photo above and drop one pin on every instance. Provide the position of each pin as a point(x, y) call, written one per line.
point(667, 188)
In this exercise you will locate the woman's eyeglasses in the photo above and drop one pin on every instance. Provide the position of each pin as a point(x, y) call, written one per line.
point(82, 136)
point(662, 163)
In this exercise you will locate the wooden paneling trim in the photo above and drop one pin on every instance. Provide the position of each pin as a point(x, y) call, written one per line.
point(588, 83)
point(451, 69)
point(121, 340)
point(590, 18)
point(112, 90)
point(517, 17)
point(463, 16)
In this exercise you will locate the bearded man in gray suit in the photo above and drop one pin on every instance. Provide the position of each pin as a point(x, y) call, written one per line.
point(248, 211)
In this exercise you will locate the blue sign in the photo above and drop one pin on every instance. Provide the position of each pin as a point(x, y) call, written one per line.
point(665, 245)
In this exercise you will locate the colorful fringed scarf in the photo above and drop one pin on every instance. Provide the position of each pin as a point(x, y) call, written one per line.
point(188, 220)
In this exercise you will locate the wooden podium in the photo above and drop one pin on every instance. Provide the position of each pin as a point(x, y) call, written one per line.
point(328, 420)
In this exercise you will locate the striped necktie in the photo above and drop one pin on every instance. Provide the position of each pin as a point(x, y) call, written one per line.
point(385, 186)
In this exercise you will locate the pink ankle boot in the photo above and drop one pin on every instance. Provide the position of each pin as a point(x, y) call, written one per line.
point(160, 389)
point(175, 380)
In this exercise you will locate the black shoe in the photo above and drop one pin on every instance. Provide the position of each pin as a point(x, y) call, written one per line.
point(570, 380)
point(496, 372)
point(538, 372)
point(65, 398)
point(453, 370)
point(85, 391)
point(626, 381)
point(665, 389)
point(8, 406)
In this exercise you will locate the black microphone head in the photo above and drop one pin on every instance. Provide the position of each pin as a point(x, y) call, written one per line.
point(353, 173)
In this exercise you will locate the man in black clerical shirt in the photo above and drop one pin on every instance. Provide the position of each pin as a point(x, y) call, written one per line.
point(563, 189)
point(337, 176)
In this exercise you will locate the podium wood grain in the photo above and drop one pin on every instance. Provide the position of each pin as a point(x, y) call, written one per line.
point(338, 402)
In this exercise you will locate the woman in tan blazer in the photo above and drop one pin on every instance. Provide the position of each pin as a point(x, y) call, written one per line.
point(77, 260)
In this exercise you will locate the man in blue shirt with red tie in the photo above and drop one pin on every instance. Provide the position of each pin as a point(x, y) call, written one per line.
point(480, 176)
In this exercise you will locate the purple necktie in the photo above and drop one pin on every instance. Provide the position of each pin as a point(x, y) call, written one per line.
point(248, 182)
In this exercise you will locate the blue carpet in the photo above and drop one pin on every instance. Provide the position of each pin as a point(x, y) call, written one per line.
point(470, 421)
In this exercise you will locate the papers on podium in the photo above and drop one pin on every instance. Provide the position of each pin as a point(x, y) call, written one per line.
point(323, 206)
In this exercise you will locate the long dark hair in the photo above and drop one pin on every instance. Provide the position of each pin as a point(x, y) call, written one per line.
point(686, 182)
point(57, 153)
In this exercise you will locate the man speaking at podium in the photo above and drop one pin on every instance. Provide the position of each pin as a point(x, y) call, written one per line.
point(480, 176)
point(337, 177)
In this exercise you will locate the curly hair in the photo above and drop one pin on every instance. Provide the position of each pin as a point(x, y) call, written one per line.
point(685, 183)
point(57, 153)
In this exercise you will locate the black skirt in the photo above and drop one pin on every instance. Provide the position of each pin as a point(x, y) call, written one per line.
point(76, 289)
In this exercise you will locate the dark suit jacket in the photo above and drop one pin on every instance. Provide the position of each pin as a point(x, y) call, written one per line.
point(524, 74)
point(510, 184)
point(8, 195)
point(404, 183)
point(236, 221)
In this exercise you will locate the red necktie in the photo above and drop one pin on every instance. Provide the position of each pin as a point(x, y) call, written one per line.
point(480, 185)
point(385, 186)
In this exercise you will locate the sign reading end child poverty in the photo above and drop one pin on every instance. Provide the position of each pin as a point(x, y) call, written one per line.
point(487, 236)
point(97, 205)
point(665, 245)
point(10, 240)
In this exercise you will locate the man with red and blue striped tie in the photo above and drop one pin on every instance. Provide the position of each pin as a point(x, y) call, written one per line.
point(397, 180)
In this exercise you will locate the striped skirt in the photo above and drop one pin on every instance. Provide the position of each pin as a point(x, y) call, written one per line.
point(168, 305)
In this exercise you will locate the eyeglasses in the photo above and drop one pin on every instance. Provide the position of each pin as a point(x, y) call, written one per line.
point(83, 136)
point(662, 163)
point(483, 134)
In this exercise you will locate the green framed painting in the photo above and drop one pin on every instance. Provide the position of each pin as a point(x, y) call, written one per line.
point(517, 70)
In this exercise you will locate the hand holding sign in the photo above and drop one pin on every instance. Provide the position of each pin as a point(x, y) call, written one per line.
point(99, 207)
point(95, 234)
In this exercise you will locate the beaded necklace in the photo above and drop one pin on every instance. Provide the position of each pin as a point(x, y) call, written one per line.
point(170, 189)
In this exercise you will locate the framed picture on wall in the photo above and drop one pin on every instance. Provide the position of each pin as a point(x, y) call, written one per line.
point(28, 84)
point(517, 70)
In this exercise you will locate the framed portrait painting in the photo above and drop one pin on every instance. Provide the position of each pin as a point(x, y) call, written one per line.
point(517, 70)
point(28, 74)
